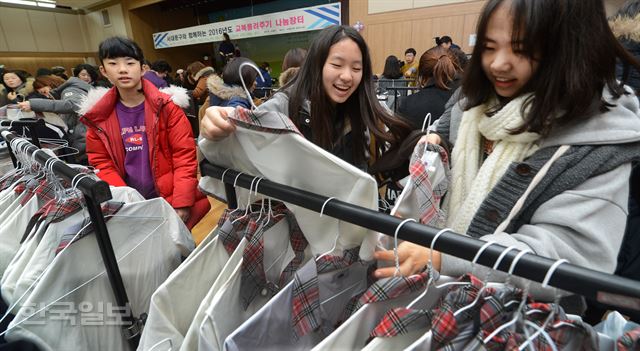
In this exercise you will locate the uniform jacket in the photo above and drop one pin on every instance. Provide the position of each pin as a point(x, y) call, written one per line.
point(172, 152)
point(221, 94)
point(200, 91)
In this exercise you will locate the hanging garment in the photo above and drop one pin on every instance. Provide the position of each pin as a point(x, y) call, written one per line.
point(270, 259)
point(11, 232)
point(148, 239)
point(262, 146)
point(322, 295)
point(382, 296)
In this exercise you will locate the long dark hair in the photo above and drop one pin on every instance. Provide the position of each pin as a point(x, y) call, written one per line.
point(573, 68)
point(392, 68)
point(362, 107)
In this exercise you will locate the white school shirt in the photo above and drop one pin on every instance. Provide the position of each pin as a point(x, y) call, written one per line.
point(11, 207)
point(149, 240)
point(226, 311)
point(43, 249)
point(12, 230)
point(190, 341)
point(169, 322)
point(267, 144)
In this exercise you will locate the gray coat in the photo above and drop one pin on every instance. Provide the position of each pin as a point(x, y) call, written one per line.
point(578, 210)
point(68, 98)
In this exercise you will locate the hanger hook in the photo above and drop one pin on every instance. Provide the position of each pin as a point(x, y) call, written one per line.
point(235, 181)
point(427, 118)
point(244, 85)
point(325, 204)
point(433, 242)
point(223, 173)
point(481, 250)
point(255, 191)
point(552, 269)
point(499, 260)
point(395, 244)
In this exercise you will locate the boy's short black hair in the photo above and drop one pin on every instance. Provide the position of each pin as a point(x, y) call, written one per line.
point(161, 66)
point(116, 47)
point(231, 74)
point(410, 51)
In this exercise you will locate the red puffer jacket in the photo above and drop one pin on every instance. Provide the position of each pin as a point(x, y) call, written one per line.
point(172, 150)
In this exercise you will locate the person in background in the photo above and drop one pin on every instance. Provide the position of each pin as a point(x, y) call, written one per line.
point(16, 86)
point(293, 59)
point(438, 78)
point(226, 50)
point(460, 56)
point(197, 74)
point(64, 99)
point(264, 81)
point(153, 76)
point(228, 90)
point(543, 149)
point(60, 72)
point(446, 42)
point(391, 71)
point(119, 121)
point(43, 72)
point(163, 69)
point(86, 73)
point(410, 68)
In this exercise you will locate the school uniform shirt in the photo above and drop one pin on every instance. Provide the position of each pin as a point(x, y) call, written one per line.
point(267, 144)
point(269, 260)
point(308, 309)
point(55, 239)
point(381, 297)
point(149, 240)
point(11, 232)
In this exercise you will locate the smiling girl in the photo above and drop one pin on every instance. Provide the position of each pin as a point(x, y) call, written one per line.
point(332, 100)
point(544, 137)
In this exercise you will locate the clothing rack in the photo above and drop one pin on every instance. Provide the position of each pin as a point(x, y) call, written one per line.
point(34, 133)
point(95, 193)
point(622, 293)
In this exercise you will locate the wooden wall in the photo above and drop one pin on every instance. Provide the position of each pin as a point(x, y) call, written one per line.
point(392, 32)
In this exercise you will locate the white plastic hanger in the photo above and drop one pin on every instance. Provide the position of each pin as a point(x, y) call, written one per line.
point(244, 85)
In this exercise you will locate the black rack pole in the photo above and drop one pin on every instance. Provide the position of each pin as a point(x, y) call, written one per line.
point(95, 193)
point(602, 287)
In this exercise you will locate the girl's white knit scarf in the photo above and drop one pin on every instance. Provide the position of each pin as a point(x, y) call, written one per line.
point(471, 182)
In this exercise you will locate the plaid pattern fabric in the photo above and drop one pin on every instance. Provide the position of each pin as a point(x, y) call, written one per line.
point(402, 320)
point(9, 179)
point(306, 294)
point(629, 340)
point(428, 197)
point(54, 211)
point(269, 122)
point(253, 274)
point(108, 208)
point(230, 232)
point(43, 189)
point(383, 290)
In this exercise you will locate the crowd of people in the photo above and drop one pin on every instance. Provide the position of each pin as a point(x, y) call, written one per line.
point(521, 106)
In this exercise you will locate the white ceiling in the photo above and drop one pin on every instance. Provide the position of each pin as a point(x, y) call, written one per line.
point(80, 4)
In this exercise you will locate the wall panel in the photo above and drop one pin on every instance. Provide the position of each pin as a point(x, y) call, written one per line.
point(45, 31)
point(17, 29)
point(72, 33)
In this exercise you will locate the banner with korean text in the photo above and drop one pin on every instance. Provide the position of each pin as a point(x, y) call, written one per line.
point(292, 21)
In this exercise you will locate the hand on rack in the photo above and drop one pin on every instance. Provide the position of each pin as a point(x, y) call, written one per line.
point(215, 124)
point(413, 258)
point(184, 213)
point(25, 106)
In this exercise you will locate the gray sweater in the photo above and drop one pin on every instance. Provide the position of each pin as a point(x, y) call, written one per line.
point(578, 211)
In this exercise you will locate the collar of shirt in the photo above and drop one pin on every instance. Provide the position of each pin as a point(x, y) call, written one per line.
point(428, 196)
point(253, 274)
point(9, 180)
point(404, 320)
point(43, 189)
point(55, 211)
point(269, 122)
point(109, 208)
point(231, 231)
point(629, 340)
point(306, 313)
point(394, 287)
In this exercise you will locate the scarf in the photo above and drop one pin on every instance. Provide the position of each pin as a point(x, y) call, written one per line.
point(472, 179)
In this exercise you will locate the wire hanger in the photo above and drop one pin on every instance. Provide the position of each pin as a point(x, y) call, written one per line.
point(335, 242)
point(395, 246)
point(244, 85)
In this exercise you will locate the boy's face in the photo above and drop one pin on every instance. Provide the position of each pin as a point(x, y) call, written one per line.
point(123, 72)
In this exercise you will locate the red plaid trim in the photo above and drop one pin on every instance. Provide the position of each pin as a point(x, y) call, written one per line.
point(306, 296)
point(428, 197)
point(629, 341)
point(20, 188)
point(54, 211)
point(231, 234)
point(108, 208)
point(43, 189)
point(383, 290)
point(9, 179)
point(268, 122)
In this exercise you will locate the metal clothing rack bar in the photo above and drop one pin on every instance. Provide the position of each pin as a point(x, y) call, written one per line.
point(606, 288)
point(95, 193)
point(35, 140)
